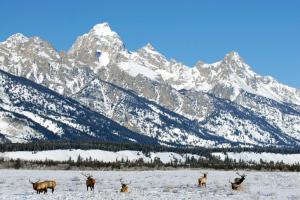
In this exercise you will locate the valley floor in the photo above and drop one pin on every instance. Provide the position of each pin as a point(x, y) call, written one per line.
point(175, 184)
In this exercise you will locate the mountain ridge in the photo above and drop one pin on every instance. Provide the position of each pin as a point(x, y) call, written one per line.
point(103, 30)
point(99, 57)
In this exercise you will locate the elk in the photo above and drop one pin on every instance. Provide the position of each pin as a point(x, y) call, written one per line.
point(90, 182)
point(237, 181)
point(124, 186)
point(43, 186)
point(202, 180)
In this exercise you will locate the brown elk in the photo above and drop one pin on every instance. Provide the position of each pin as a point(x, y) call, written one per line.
point(124, 186)
point(43, 186)
point(202, 180)
point(90, 182)
point(237, 181)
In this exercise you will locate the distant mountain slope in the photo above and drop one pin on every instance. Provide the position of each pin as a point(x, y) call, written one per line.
point(29, 111)
point(146, 117)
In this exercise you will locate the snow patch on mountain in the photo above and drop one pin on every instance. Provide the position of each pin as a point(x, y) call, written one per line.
point(134, 69)
point(16, 130)
point(103, 60)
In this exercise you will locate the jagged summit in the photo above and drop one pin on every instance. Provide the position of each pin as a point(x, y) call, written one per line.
point(99, 39)
point(233, 56)
point(149, 46)
point(16, 38)
point(103, 29)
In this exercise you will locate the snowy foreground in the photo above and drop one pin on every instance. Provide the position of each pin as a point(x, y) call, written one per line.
point(180, 184)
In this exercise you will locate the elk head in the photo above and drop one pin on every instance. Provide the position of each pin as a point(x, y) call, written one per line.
point(240, 180)
point(88, 176)
point(205, 174)
point(34, 184)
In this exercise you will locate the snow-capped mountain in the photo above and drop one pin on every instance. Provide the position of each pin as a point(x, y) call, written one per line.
point(29, 111)
point(163, 99)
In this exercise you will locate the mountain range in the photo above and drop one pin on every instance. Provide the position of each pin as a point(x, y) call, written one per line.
point(99, 90)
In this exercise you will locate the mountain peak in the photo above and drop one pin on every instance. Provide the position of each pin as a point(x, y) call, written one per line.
point(150, 49)
point(233, 56)
point(103, 29)
point(149, 46)
point(200, 63)
point(17, 38)
point(99, 38)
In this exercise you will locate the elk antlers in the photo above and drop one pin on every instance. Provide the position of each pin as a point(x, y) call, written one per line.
point(243, 175)
point(87, 175)
point(123, 183)
point(34, 182)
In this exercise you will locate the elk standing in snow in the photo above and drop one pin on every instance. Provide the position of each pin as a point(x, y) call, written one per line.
point(90, 182)
point(237, 181)
point(43, 186)
point(124, 186)
point(202, 180)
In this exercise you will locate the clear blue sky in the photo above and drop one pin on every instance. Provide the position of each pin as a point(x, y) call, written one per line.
point(266, 33)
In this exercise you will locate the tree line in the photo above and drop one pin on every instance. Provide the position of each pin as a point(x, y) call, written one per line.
point(113, 146)
point(156, 163)
point(206, 161)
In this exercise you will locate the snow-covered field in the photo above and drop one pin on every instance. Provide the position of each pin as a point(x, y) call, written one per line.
point(100, 155)
point(165, 157)
point(266, 157)
point(179, 184)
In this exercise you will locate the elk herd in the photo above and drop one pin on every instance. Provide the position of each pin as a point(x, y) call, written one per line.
point(235, 185)
point(43, 186)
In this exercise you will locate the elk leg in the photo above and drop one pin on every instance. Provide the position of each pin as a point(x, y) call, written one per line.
point(234, 187)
